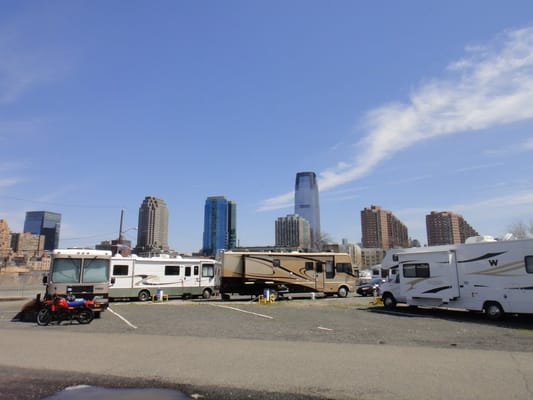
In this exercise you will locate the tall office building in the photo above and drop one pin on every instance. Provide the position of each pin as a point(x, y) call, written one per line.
point(445, 227)
point(381, 229)
point(293, 231)
point(306, 203)
point(44, 223)
point(220, 225)
point(152, 231)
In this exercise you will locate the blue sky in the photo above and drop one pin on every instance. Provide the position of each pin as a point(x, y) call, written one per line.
point(414, 106)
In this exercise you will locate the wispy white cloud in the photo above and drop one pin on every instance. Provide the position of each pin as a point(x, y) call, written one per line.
point(522, 147)
point(499, 210)
point(491, 86)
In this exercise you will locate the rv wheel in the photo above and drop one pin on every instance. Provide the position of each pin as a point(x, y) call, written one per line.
point(388, 301)
point(343, 292)
point(493, 311)
point(206, 293)
point(144, 295)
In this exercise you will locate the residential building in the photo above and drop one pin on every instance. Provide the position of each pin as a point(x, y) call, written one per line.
point(371, 257)
point(5, 240)
point(27, 244)
point(353, 250)
point(152, 230)
point(45, 223)
point(293, 231)
point(381, 229)
point(220, 225)
point(306, 203)
point(446, 227)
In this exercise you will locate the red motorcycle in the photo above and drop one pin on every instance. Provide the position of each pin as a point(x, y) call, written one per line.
point(61, 309)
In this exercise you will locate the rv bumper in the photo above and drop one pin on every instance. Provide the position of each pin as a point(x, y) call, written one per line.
point(100, 303)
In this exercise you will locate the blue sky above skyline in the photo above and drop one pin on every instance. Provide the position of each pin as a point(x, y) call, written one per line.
point(409, 105)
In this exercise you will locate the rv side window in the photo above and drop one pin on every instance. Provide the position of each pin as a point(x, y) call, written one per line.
point(330, 271)
point(119, 270)
point(416, 270)
point(208, 271)
point(172, 269)
point(196, 270)
point(319, 267)
point(529, 264)
point(276, 263)
point(309, 265)
point(187, 271)
point(344, 267)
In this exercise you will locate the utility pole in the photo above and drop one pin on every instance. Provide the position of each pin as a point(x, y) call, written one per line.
point(120, 229)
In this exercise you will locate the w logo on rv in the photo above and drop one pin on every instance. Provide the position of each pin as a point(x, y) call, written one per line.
point(493, 263)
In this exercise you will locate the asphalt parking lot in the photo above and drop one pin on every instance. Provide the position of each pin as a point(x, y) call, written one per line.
point(355, 325)
point(354, 320)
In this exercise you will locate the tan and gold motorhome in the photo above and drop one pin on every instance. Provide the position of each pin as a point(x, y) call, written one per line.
point(250, 273)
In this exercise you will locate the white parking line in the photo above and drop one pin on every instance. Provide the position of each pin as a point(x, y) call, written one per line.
point(324, 329)
point(243, 311)
point(121, 317)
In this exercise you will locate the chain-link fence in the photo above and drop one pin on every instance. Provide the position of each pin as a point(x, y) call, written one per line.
point(21, 284)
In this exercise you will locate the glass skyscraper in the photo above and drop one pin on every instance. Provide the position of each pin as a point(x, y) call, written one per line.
point(44, 223)
point(306, 203)
point(152, 233)
point(220, 225)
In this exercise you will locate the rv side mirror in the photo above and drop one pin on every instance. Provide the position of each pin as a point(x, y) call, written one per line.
point(395, 257)
point(113, 280)
point(45, 280)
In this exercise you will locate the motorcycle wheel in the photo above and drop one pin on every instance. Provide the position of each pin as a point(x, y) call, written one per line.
point(85, 316)
point(44, 317)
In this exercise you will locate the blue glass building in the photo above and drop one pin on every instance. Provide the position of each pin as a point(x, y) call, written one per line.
point(220, 225)
point(306, 203)
point(44, 223)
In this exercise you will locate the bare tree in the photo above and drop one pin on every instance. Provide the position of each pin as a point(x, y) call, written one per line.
point(521, 230)
point(322, 241)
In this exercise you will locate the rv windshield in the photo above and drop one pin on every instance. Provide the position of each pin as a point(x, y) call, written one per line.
point(95, 270)
point(66, 270)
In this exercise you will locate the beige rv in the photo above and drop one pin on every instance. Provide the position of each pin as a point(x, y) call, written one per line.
point(250, 273)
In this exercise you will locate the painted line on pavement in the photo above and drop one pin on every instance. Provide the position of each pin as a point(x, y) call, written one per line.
point(324, 329)
point(121, 317)
point(243, 311)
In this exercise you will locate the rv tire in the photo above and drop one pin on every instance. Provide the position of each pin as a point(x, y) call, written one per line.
point(493, 310)
point(144, 295)
point(343, 292)
point(206, 294)
point(389, 302)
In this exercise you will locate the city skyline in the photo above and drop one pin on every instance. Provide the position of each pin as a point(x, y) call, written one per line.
point(386, 103)
point(153, 221)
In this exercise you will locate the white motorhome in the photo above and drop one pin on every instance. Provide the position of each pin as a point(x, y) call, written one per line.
point(495, 277)
point(141, 278)
point(82, 272)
